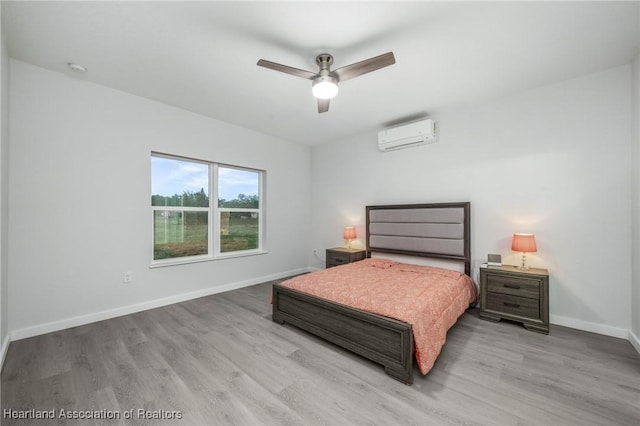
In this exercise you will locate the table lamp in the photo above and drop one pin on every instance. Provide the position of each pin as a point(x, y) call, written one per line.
point(524, 243)
point(349, 234)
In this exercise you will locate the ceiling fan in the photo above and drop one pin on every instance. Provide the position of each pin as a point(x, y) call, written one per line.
point(325, 81)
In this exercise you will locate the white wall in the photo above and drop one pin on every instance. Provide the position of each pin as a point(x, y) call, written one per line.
point(553, 161)
point(4, 194)
point(635, 199)
point(80, 201)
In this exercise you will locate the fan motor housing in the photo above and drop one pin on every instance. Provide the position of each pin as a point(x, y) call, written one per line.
point(324, 60)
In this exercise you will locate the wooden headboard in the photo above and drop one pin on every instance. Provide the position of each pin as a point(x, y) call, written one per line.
point(440, 230)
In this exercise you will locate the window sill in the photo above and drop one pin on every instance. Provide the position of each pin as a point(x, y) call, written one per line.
point(198, 259)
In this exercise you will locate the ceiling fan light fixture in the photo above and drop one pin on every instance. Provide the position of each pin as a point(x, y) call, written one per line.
point(325, 87)
point(325, 82)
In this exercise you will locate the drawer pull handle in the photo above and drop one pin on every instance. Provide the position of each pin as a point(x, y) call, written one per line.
point(513, 286)
point(511, 305)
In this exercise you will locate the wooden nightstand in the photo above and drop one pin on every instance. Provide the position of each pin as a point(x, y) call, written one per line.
point(511, 293)
point(340, 256)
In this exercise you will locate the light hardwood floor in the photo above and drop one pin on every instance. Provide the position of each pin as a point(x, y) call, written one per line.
point(221, 360)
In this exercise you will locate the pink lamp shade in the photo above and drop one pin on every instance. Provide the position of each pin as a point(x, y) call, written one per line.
point(349, 233)
point(525, 243)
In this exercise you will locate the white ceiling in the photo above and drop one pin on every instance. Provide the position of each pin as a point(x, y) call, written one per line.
point(201, 56)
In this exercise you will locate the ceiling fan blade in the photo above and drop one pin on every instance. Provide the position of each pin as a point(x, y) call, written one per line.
point(323, 105)
point(363, 67)
point(287, 69)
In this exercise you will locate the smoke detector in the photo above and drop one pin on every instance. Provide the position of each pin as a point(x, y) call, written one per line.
point(77, 68)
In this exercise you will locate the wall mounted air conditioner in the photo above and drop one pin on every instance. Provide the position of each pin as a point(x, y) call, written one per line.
point(407, 135)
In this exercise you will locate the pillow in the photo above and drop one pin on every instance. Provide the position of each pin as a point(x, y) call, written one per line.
point(381, 263)
point(423, 269)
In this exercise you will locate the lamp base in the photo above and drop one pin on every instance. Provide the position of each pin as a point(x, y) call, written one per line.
point(524, 265)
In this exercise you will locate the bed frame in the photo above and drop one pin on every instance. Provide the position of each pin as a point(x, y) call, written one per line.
point(440, 231)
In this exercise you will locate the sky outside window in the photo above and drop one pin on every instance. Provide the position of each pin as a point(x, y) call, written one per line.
point(171, 176)
point(233, 182)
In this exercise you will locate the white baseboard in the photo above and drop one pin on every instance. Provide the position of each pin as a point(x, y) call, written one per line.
point(37, 330)
point(635, 341)
point(592, 327)
point(3, 351)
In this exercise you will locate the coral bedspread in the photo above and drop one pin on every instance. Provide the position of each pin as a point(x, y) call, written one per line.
point(430, 299)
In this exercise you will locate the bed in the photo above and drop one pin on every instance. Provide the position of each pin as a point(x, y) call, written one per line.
point(438, 231)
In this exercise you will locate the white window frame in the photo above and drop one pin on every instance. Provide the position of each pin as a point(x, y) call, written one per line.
point(213, 224)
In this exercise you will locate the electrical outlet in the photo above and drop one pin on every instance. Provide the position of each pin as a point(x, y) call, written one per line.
point(127, 277)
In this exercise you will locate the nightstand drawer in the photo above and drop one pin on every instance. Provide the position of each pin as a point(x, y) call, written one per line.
point(342, 255)
point(516, 286)
point(514, 305)
point(336, 258)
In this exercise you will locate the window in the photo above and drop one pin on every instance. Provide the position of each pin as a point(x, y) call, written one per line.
point(238, 209)
point(188, 226)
